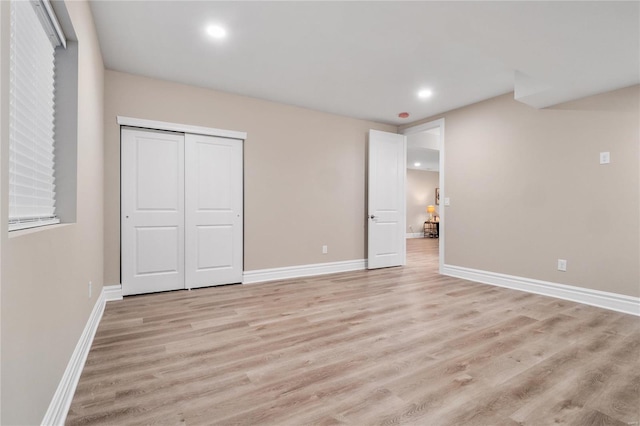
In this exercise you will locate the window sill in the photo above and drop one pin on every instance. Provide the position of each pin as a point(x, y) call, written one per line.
point(22, 232)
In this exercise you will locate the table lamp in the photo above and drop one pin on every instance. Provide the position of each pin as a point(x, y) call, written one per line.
point(431, 210)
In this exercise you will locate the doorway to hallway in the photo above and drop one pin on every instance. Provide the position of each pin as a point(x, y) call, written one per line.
point(425, 184)
point(423, 253)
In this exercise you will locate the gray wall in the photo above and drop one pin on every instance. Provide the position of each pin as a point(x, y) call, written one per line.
point(526, 188)
point(45, 272)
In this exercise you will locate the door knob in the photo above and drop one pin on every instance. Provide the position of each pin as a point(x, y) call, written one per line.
point(372, 216)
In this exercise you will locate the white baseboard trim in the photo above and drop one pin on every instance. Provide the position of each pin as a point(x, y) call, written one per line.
point(261, 275)
point(601, 299)
point(112, 292)
point(415, 235)
point(59, 407)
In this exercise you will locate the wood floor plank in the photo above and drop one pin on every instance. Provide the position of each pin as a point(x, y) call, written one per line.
point(390, 346)
point(584, 386)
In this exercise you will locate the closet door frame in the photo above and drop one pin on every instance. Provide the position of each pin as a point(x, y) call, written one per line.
point(144, 124)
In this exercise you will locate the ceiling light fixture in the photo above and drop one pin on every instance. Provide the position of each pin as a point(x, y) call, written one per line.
point(425, 93)
point(403, 115)
point(216, 31)
point(416, 164)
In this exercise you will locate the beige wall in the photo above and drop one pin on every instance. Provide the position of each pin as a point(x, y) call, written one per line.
point(526, 188)
point(45, 273)
point(304, 170)
point(421, 192)
point(4, 151)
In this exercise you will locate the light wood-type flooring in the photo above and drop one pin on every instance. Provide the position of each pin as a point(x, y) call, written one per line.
point(391, 346)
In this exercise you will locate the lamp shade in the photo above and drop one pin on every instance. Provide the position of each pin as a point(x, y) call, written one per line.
point(431, 209)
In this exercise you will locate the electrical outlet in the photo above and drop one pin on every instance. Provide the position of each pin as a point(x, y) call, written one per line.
point(90, 289)
point(562, 265)
point(605, 158)
point(325, 250)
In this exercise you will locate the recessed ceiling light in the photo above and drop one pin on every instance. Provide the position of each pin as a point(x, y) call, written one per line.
point(216, 31)
point(416, 164)
point(425, 93)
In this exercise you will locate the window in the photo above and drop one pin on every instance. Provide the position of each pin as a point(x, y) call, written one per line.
point(35, 35)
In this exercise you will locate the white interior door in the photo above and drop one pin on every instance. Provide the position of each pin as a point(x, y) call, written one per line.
point(152, 221)
point(386, 193)
point(213, 211)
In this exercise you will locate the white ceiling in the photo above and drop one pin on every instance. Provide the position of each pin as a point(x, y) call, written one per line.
point(368, 59)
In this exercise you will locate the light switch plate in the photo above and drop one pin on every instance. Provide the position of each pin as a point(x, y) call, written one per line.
point(447, 201)
point(605, 157)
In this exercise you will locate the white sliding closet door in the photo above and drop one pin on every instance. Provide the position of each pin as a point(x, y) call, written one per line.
point(152, 211)
point(214, 218)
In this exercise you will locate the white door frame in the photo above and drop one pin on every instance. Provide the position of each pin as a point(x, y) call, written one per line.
point(183, 128)
point(421, 128)
point(176, 127)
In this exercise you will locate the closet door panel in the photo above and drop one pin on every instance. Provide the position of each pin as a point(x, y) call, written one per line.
point(213, 176)
point(157, 250)
point(213, 179)
point(212, 246)
point(152, 221)
point(157, 175)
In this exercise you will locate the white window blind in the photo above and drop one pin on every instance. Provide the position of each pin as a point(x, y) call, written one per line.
point(31, 113)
